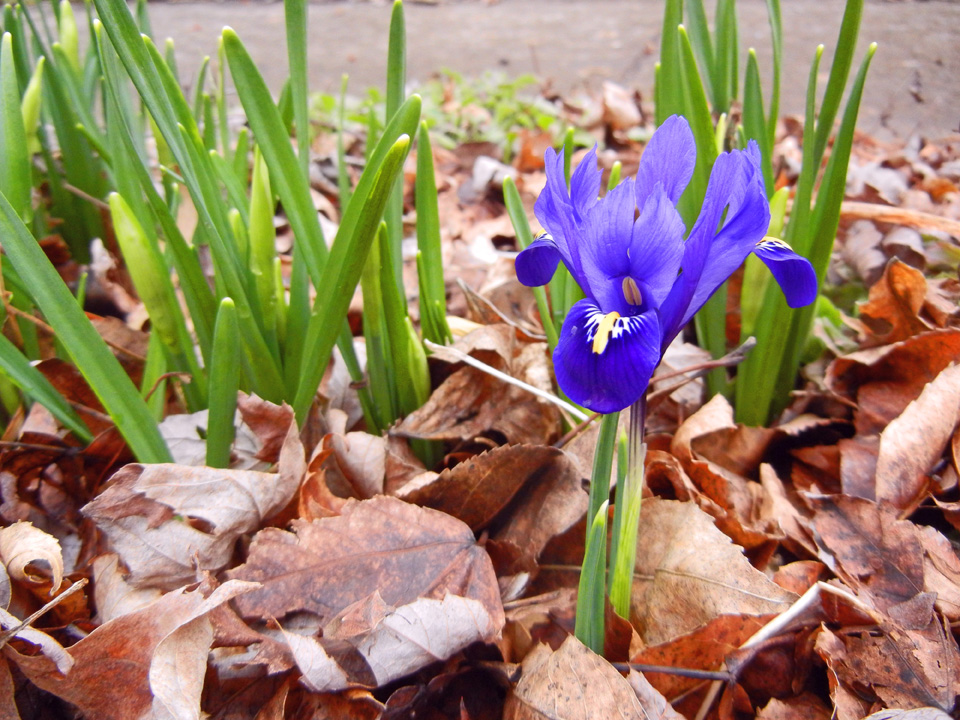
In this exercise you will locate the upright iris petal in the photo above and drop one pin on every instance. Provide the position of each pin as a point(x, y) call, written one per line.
point(642, 280)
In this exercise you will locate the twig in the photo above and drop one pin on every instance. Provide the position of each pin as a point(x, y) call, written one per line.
point(181, 376)
point(718, 675)
point(11, 632)
point(41, 325)
point(899, 216)
point(461, 356)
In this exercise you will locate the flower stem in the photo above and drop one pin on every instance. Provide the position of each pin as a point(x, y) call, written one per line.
point(592, 589)
point(627, 519)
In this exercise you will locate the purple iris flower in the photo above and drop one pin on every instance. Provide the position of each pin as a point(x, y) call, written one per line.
point(643, 282)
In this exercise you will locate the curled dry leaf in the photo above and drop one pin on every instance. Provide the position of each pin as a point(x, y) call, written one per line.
point(141, 514)
point(914, 442)
point(688, 572)
point(384, 545)
point(718, 455)
point(22, 545)
point(343, 466)
point(571, 683)
point(884, 380)
point(149, 663)
point(892, 312)
point(398, 642)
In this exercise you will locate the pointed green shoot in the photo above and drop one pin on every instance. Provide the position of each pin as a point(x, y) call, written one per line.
point(224, 384)
point(396, 90)
point(151, 278)
point(295, 15)
point(15, 178)
point(433, 294)
point(589, 627)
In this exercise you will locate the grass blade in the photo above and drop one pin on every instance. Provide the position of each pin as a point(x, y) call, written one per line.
point(343, 268)
point(89, 352)
point(295, 16)
point(32, 382)
point(668, 90)
point(15, 178)
point(396, 90)
point(839, 72)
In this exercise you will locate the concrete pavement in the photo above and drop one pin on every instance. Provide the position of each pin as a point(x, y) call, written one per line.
point(912, 87)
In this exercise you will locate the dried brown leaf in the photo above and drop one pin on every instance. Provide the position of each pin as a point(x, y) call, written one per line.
point(112, 594)
point(870, 549)
point(386, 545)
point(807, 706)
point(399, 642)
point(688, 572)
point(137, 513)
point(655, 706)
point(150, 661)
point(703, 649)
point(571, 683)
point(471, 403)
point(476, 490)
point(914, 442)
point(919, 668)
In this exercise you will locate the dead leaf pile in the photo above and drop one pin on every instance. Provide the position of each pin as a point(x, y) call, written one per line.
point(804, 570)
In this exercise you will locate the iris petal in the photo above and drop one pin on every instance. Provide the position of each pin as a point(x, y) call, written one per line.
point(536, 264)
point(585, 183)
point(794, 274)
point(556, 214)
point(656, 245)
point(616, 376)
point(735, 195)
point(604, 246)
point(669, 159)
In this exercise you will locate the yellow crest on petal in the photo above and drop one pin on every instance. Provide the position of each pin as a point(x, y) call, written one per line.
point(604, 329)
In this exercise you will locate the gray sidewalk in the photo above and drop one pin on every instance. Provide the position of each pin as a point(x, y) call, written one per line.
point(913, 84)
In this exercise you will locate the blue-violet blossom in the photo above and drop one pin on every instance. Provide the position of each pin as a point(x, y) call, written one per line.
point(642, 280)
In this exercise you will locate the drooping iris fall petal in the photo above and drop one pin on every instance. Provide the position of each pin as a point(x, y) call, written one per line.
point(794, 274)
point(538, 262)
point(604, 361)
